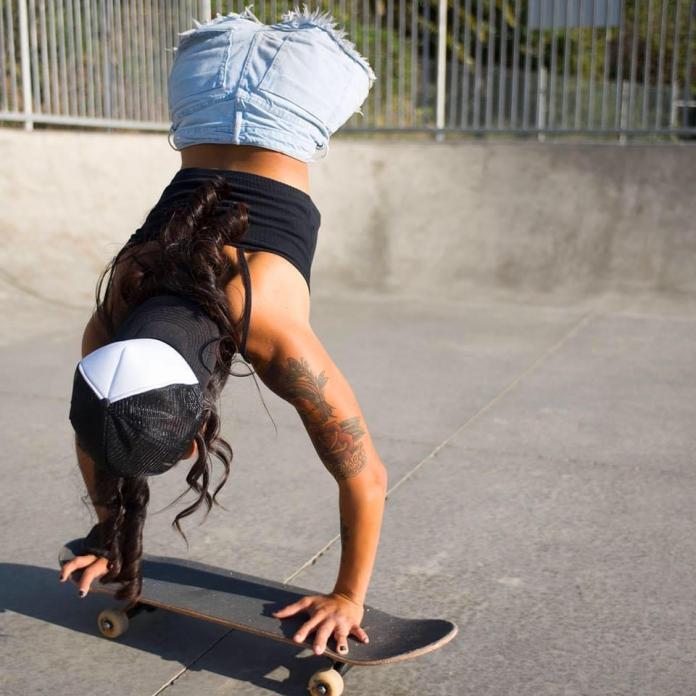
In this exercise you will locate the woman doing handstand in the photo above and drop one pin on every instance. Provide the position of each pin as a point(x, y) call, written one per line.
point(251, 105)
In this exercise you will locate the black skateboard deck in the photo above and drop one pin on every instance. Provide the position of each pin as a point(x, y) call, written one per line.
point(245, 602)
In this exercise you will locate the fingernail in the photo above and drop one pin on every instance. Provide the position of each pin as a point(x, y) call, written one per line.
point(342, 649)
point(82, 593)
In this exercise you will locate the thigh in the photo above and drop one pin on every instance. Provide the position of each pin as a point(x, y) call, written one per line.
point(279, 298)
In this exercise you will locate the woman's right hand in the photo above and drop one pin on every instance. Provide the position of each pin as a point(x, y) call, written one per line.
point(94, 568)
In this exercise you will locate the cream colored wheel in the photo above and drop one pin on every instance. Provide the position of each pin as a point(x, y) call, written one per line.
point(326, 682)
point(112, 622)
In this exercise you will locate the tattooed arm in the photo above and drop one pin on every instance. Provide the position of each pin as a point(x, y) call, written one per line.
point(301, 372)
point(345, 448)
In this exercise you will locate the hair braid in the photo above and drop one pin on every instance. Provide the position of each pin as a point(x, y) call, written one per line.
point(190, 262)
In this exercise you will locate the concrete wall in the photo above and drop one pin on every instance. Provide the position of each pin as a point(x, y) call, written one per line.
point(418, 217)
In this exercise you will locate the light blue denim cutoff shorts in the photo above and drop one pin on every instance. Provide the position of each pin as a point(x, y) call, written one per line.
point(286, 86)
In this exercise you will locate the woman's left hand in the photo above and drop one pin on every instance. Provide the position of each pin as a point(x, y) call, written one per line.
point(94, 567)
point(332, 614)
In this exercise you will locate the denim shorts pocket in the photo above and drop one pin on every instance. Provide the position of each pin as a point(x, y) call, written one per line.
point(311, 72)
point(199, 65)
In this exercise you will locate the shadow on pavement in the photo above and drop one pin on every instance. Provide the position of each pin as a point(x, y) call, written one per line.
point(36, 592)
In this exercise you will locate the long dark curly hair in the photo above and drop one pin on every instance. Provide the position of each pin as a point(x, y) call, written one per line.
point(188, 260)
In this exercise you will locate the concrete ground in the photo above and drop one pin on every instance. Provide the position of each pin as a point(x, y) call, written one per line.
point(542, 496)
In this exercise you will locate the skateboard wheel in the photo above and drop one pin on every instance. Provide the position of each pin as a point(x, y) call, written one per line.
point(326, 682)
point(112, 623)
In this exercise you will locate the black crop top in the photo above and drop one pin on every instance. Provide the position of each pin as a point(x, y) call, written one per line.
point(282, 219)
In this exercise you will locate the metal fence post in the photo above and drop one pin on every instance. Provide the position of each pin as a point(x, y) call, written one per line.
point(673, 122)
point(26, 66)
point(441, 68)
point(541, 102)
point(625, 115)
point(206, 12)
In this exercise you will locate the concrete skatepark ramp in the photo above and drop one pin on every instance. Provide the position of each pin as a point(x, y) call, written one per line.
point(397, 217)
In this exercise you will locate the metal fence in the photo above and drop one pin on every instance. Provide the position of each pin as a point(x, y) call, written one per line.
point(604, 67)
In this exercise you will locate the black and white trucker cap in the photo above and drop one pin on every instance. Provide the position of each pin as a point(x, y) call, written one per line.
point(137, 402)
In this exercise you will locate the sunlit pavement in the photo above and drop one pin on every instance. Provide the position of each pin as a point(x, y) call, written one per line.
point(542, 487)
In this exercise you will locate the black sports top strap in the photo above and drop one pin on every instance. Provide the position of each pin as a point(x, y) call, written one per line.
point(247, 302)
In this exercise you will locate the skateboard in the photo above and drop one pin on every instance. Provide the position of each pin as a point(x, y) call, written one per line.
point(245, 602)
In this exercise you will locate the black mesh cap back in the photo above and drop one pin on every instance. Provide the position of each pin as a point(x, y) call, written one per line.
point(138, 401)
point(148, 433)
point(87, 413)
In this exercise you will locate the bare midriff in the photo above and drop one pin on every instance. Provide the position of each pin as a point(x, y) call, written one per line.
point(248, 158)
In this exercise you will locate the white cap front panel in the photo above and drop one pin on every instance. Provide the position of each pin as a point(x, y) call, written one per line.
point(137, 365)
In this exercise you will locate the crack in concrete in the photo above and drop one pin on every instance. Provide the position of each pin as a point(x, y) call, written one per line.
point(584, 320)
point(186, 668)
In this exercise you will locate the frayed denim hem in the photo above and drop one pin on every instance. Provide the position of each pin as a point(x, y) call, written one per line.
point(324, 20)
point(247, 14)
point(297, 18)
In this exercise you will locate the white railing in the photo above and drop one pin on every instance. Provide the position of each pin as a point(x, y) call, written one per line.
point(593, 67)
